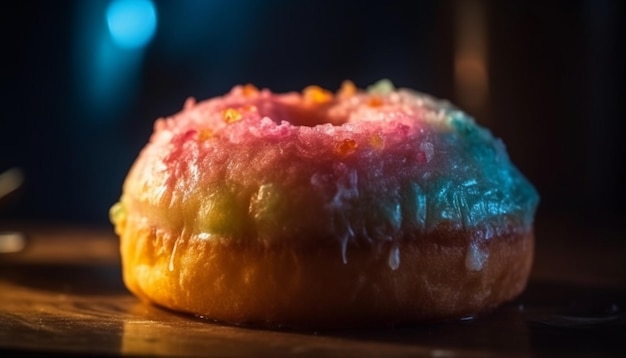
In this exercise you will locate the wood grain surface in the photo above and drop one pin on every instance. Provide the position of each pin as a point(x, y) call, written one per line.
point(63, 296)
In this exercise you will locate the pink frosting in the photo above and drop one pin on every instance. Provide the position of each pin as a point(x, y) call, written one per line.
point(354, 168)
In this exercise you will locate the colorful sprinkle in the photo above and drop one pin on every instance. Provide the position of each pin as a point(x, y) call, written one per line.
point(346, 147)
point(231, 115)
point(317, 95)
point(205, 134)
point(249, 90)
point(382, 87)
point(377, 141)
point(375, 101)
point(348, 89)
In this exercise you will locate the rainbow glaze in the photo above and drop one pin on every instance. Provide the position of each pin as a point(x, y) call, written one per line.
point(352, 168)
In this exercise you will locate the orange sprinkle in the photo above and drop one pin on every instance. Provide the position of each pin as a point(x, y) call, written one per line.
point(348, 89)
point(375, 101)
point(205, 134)
point(317, 95)
point(231, 115)
point(346, 146)
point(377, 141)
point(249, 90)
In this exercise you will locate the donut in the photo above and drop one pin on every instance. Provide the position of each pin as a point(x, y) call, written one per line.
point(359, 207)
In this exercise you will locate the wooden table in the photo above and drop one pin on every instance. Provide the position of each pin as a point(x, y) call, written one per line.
point(63, 296)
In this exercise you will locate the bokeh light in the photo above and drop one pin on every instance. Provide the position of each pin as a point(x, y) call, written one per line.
point(131, 23)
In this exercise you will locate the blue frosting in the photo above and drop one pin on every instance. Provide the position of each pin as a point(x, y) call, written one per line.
point(476, 186)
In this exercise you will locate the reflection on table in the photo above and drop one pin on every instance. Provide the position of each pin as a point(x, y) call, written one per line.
point(63, 294)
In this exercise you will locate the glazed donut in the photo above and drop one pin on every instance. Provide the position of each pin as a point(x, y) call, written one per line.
point(322, 209)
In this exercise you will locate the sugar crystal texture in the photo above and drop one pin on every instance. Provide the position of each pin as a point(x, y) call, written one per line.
point(255, 165)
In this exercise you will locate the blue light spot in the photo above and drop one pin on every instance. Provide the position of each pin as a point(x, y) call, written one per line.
point(132, 23)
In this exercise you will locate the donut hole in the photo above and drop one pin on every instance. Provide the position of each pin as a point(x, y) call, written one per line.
point(313, 116)
point(302, 114)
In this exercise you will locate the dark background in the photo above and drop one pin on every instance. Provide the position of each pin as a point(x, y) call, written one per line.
point(73, 123)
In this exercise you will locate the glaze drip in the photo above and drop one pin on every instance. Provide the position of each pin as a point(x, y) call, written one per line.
point(274, 167)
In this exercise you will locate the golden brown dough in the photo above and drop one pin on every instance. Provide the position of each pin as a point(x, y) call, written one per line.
point(323, 210)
